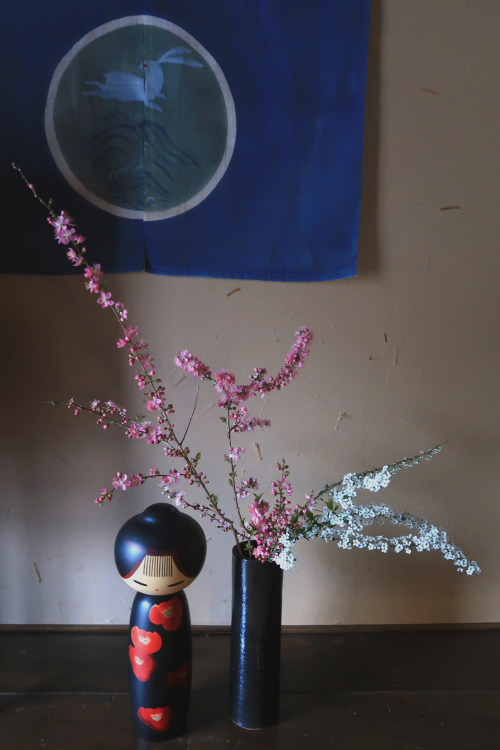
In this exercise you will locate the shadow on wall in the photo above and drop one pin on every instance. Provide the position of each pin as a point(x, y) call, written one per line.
point(56, 349)
point(364, 587)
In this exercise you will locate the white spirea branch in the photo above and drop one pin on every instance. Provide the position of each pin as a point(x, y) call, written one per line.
point(343, 521)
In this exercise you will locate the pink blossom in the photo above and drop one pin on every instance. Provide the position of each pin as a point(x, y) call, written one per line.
point(138, 345)
point(121, 481)
point(282, 484)
point(235, 453)
point(136, 480)
point(155, 403)
point(64, 234)
point(236, 395)
point(179, 499)
point(74, 257)
point(122, 312)
point(241, 422)
point(170, 479)
point(130, 332)
point(295, 357)
point(105, 494)
point(93, 287)
point(192, 364)
point(247, 485)
point(61, 221)
point(93, 272)
point(135, 431)
point(105, 300)
point(147, 363)
point(224, 380)
point(258, 510)
point(261, 552)
point(153, 435)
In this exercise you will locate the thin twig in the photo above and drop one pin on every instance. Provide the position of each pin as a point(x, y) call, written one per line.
point(192, 415)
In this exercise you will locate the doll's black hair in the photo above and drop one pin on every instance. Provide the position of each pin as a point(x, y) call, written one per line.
point(159, 531)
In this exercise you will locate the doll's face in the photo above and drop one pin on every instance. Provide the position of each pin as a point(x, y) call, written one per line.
point(158, 575)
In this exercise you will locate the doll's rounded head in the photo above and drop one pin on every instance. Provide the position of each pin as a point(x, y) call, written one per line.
point(160, 551)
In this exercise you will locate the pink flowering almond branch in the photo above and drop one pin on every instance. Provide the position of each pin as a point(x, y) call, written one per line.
point(268, 528)
point(159, 429)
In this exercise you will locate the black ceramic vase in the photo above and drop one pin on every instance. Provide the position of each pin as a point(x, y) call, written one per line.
point(159, 553)
point(255, 642)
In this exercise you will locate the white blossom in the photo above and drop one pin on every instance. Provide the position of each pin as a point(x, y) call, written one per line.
point(284, 558)
point(345, 522)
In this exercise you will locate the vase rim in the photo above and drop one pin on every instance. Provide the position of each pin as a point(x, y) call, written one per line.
point(251, 560)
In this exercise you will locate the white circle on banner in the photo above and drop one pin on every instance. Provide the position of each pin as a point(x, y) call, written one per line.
point(140, 119)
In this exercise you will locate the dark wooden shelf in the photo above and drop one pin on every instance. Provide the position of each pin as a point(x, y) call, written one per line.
point(422, 688)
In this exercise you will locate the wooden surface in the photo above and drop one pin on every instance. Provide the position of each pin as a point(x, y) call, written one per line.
point(342, 688)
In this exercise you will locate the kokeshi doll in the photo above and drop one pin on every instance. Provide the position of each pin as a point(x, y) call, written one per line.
point(158, 553)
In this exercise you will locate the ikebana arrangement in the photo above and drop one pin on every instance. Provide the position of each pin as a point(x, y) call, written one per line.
point(265, 525)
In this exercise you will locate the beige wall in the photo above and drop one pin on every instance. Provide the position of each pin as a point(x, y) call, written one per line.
point(428, 283)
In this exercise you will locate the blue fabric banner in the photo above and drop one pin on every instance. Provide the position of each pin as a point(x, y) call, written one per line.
point(215, 138)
